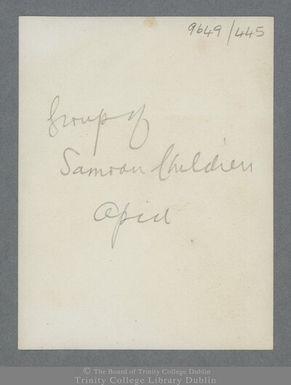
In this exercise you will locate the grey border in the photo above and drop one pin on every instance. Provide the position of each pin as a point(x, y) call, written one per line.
point(9, 12)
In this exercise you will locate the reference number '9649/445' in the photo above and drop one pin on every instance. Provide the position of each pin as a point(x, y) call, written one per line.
point(234, 31)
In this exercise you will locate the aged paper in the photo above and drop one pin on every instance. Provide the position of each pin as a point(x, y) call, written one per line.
point(145, 183)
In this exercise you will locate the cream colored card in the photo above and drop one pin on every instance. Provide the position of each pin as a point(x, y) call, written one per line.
point(145, 183)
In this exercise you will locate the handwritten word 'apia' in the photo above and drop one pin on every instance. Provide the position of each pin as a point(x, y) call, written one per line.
point(110, 210)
